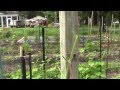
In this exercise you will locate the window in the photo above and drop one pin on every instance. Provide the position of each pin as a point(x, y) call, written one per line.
point(14, 18)
point(9, 17)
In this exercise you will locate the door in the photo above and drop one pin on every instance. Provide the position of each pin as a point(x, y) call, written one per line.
point(8, 21)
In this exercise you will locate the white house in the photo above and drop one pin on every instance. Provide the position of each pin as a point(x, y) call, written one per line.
point(5, 19)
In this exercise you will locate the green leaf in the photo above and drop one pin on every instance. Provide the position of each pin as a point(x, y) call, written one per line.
point(102, 63)
point(81, 68)
point(91, 64)
point(87, 76)
point(81, 50)
point(103, 75)
point(98, 74)
point(93, 77)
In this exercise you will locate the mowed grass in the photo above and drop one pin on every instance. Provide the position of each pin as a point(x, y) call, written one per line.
point(36, 31)
point(20, 32)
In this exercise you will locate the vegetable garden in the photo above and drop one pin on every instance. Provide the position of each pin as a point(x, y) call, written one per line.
point(99, 52)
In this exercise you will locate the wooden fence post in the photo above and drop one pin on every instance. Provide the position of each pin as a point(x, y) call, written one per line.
point(68, 30)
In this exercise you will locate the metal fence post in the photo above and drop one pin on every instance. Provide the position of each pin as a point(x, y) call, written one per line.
point(23, 65)
point(1, 67)
point(43, 48)
point(30, 65)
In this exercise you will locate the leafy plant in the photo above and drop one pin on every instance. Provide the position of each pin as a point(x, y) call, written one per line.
point(14, 39)
point(91, 46)
point(52, 72)
point(6, 34)
point(1, 50)
point(26, 47)
point(91, 69)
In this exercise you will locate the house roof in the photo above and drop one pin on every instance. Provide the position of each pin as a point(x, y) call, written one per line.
point(11, 12)
point(8, 12)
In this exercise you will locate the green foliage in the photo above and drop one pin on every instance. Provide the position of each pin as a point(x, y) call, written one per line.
point(52, 32)
point(97, 14)
point(30, 32)
point(10, 50)
point(15, 75)
point(84, 30)
point(52, 48)
point(36, 27)
point(91, 46)
point(52, 72)
point(1, 50)
point(91, 69)
point(6, 34)
point(26, 47)
point(18, 33)
point(14, 39)
point(31, 14)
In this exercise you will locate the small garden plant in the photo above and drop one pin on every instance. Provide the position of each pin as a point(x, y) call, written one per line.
point(91, 69)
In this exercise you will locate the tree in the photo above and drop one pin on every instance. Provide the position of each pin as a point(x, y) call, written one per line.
point(31, 14)
point(95, 18)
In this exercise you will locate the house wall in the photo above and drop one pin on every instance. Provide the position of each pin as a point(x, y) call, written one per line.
point(5, 19)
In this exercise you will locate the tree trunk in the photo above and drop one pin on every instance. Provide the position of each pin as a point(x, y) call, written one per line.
point(119, 19)
point(95, 18)
point(98, 17)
